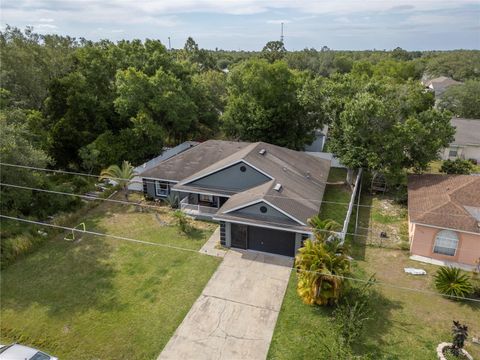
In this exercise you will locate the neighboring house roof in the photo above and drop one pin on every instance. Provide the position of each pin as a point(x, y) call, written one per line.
point(193, 160)
point(440, 84)
point(445, 201)
point(467, 131)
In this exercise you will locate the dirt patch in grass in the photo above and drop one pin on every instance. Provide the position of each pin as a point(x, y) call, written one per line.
point(382, 222)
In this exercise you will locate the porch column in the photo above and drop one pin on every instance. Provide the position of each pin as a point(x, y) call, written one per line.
point(228, 234)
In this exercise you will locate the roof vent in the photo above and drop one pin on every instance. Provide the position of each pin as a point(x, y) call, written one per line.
point(307, 175)
point(262, 151)
point(278, 187)
point(284, 168)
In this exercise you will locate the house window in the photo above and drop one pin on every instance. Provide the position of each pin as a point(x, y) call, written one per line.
point(446, 243)
point(161, 188)
point(243, 168)
point(263, 209)
point(453, 152)
point(205, 198)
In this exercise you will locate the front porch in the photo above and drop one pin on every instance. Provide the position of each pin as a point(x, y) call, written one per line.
point(201, 205)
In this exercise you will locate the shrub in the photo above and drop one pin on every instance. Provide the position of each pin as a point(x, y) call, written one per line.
point(353, 311)
point(450, 281)
point(182, 221)
point(457, 166)
point(173, 200)
point(460, 334)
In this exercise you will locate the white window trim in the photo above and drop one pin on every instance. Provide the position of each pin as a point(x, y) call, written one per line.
point(435, 243)
point(158, 190)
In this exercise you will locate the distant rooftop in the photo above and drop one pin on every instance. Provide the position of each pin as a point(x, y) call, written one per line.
point(467, 131)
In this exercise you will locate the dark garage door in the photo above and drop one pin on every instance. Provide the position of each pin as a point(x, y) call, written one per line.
point(272, 241)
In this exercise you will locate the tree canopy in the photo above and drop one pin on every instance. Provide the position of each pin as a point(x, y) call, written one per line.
point(263, 105)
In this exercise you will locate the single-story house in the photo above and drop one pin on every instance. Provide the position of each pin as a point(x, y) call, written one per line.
point(136, 184)
point(440, 85)
point(319, 141)
point(466, 144)
point(444, 219)
point(261, 194)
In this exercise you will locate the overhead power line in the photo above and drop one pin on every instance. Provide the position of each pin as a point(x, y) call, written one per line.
point(88, 197)
point(94, 233)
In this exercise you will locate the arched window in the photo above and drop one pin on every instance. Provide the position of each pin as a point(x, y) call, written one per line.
point(446, 242)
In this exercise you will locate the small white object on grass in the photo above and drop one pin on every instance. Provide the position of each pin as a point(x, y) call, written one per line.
point(414, 271)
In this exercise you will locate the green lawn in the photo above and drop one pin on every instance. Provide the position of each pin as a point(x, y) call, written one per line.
point(102, 298)
point(338, 193)
point(406, 325)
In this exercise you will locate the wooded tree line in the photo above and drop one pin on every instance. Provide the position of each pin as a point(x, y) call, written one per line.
point(83, 105)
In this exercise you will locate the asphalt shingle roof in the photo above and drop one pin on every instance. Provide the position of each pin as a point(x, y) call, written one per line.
point(302, 176)
point(467, 131)
point(191, 161)
point(446, 201)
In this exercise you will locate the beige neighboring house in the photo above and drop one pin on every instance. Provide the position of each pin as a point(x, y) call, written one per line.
point(444, 219)
point(440, 84)
point(466, 144)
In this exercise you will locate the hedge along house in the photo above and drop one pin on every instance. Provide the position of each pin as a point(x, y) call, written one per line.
point(444, 219)
point(262, 194)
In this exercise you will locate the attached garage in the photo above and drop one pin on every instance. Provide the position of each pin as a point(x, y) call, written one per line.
point(263, 239)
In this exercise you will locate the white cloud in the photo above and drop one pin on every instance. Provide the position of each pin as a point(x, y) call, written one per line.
point(46, 20)
point(235, 7)
point(45, 26)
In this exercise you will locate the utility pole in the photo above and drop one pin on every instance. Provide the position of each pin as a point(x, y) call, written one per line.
point(169, 45)
point(281, 33)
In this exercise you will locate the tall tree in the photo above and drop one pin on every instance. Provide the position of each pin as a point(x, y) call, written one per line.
point(263, 105)
point(389, 128)
point(273, 51)
point(463, 100)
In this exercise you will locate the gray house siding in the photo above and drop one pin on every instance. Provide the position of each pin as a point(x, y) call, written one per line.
point(149, 188)
point(232, 178)
point(271, 213)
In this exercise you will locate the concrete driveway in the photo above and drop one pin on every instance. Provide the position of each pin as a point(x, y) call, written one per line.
point(235, 316)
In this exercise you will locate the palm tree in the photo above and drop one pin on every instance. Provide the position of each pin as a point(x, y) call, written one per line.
point(451, 281)
point(323, 229)
point(321, 266)
point(121, 175)
point(321, 263)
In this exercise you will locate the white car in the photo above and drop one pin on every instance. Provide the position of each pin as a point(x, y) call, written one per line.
point(21, 352)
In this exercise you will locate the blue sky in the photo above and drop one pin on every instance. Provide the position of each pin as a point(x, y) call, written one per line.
point(249, 24)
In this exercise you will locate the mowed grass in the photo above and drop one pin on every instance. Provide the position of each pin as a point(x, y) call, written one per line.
point(337, 193)
point(103, 298)
point(405, 325)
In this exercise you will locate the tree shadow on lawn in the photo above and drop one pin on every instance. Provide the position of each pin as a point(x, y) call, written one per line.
point(370, 342)
point(195, 234)
point(63, 276)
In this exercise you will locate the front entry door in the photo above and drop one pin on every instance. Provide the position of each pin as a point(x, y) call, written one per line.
point(239, 235)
